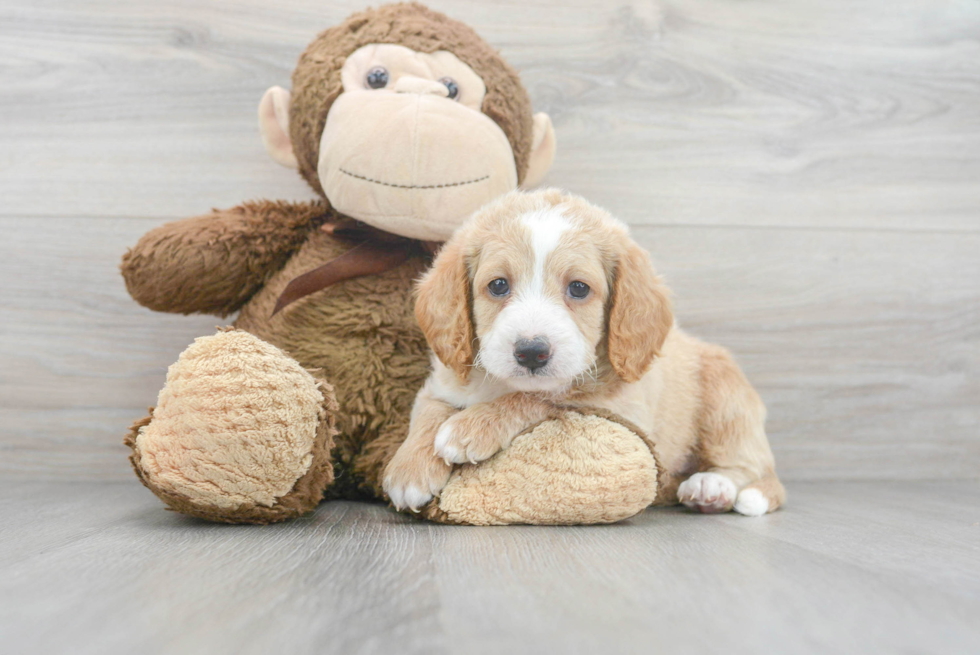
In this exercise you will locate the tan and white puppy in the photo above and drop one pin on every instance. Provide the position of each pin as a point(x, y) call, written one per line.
point(542, 301)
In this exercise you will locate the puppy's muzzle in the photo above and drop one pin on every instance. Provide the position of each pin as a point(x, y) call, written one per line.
point(532, 354)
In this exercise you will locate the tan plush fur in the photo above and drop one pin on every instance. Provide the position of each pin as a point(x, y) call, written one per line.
point(209, 450)
point(580, 468)
point(220, 396)
point(402, 157)
point(701, 414)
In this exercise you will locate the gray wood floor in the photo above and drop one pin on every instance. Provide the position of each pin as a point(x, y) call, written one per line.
point(879, 567)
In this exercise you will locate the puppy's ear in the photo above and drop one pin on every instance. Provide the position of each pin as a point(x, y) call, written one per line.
point(442, 308)
point(640, 316)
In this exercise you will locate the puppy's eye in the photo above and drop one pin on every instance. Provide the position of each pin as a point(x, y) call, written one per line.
point(499, 287)
point(451, 86)
point(377, 77)
point(578, 289)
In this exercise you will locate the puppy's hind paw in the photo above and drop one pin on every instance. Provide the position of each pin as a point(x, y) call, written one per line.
point(751, 502)
point(709, 493)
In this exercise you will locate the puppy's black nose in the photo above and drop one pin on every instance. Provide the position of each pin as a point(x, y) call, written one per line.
point(532, 353)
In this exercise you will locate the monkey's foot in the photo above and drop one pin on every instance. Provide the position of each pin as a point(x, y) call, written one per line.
point(579, 469)
point(241, 433)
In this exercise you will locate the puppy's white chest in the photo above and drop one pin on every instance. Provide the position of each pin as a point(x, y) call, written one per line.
point(444, 385)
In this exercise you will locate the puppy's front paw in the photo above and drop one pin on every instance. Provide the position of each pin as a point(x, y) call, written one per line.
point(709, 493)
point(412, 480)
point(467, 437)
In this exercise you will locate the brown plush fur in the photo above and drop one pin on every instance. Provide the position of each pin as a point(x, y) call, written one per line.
point(362, 334)
point(359, 334)
point(213, 264)
point(316, 81)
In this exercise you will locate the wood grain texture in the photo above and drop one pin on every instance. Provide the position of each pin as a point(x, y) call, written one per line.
point(849, 567)
point(693, 112)
point(805, 175)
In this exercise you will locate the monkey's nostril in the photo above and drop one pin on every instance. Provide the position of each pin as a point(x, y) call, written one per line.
point(532, 353)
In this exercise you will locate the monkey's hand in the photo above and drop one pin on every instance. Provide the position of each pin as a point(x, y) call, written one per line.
point(213, 264)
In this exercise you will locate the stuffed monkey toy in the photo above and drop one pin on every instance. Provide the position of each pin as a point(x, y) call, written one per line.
point(404, 122)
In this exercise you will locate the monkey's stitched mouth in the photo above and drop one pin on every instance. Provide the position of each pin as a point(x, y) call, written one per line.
point(415, 186)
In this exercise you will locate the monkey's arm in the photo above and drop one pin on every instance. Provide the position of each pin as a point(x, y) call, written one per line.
point(212, 264)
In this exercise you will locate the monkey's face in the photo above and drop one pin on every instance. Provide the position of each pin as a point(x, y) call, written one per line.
point(406, 147)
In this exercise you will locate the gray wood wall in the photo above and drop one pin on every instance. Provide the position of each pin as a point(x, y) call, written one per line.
point(806, 174)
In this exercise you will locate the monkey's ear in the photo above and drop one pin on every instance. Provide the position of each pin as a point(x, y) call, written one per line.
point(274, 125)
point(542, 151)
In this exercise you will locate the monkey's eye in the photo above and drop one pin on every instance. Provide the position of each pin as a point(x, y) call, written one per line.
point(578, 289)
point(377, 77)
point(499, 287)
point(451, 86)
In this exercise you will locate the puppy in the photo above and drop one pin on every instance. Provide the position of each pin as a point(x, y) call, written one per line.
point(542, 301)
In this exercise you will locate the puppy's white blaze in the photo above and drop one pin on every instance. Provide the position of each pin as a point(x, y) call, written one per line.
point(547, 227)
point(532, 313)
point(751, 502)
